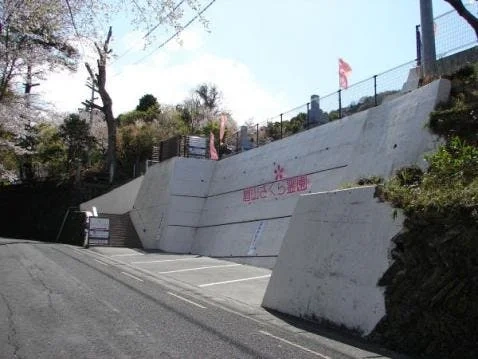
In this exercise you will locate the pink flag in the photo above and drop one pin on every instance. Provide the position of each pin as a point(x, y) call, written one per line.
point(344, 71)
point(222, 127)
point(212, 149)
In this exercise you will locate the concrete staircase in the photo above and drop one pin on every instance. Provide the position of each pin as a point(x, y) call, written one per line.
point(122, 232)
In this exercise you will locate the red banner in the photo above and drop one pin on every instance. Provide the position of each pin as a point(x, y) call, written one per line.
point(344, 72)
point(212, 149)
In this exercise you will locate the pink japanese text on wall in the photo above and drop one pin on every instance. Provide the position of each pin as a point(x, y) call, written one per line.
point(280, 187)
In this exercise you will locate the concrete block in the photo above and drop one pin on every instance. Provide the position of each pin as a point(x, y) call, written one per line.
point(336, 248)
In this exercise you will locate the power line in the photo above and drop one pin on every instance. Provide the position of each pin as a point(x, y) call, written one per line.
point(176, 34)
point(160, 22)
point(153, 29)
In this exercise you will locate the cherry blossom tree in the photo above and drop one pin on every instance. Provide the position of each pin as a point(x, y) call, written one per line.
point(39, 36)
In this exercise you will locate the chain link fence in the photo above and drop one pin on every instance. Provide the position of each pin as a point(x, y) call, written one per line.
point(452, 32)
point(320, 110)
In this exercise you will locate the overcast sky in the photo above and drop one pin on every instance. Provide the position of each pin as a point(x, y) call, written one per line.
point(265, 56)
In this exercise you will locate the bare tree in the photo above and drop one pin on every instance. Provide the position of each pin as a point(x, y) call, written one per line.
point(99, 81)
point(209, 95)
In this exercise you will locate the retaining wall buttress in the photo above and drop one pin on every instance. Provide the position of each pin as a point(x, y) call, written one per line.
point(335, 250)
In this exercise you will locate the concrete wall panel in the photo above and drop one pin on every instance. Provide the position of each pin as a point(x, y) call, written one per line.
point(177, 239)
point(169, 204)
point(191, 177)
point(150, 212)
point(335, 250)
point(250, 239)
point(118, 201)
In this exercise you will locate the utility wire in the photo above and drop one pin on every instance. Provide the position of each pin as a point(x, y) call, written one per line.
point(176, 33)
point(152, 30)
point(160, 22)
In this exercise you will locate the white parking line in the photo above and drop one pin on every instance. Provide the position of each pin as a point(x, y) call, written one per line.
point(294, 345)
point(234, 281)
point(127, 255)
point(165, 260)
point(187, 300)
point(199, 268)
point(132, 276)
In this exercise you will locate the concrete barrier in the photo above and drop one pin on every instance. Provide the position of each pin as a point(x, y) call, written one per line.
point(335, 250)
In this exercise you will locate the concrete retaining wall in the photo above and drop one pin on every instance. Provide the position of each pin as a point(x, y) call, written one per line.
point(241, 206)
point(335, 250)
point(168, 206)
point(374, 142)
point(118, 201)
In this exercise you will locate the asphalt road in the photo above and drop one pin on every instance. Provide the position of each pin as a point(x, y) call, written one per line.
point(57, 302)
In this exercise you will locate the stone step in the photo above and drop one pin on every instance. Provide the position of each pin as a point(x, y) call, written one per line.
point(122, 232)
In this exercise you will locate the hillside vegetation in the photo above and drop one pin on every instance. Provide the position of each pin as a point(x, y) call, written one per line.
point(431, 288)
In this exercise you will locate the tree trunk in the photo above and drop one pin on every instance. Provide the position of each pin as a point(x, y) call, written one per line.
point(111, 151)
point(99, 80)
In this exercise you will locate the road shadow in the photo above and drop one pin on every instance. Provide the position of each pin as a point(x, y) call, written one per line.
point(338, 333)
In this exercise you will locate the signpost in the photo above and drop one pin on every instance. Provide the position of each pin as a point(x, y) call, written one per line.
point(99, 231)
point(197, 146)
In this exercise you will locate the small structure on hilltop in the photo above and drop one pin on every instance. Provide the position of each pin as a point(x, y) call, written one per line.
point(316, 116)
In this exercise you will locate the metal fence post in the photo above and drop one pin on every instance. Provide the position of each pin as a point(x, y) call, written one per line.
point(340, 103)
point(237, 141)
point(281, 125)
point(419, 45)
point(257, 135)
point(307, 118)
point(375, 89)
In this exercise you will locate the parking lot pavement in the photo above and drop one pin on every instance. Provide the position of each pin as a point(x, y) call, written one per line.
point(219, 278)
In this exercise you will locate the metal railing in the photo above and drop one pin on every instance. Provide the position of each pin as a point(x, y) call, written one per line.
point(358, 97)
point(182, 146)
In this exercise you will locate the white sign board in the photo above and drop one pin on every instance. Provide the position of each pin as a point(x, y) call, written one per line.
point(99, 230)
point(197, 146)
point(255, 238)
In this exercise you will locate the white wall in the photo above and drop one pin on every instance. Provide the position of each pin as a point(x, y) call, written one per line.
point(150, 210)
point(192, 205)
point(334, 252)
point(336, 244)
point(118, 201)
point(373, 142)
point(188, 188)
point(167, 209)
